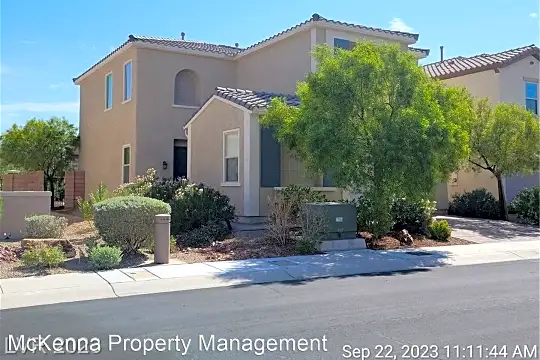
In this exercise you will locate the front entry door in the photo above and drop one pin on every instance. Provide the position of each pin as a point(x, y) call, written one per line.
point(180, 162)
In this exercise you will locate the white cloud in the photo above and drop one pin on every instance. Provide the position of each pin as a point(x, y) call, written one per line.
point(533, 15)
point(68, 107)
point(397, 24)
point(56, 86)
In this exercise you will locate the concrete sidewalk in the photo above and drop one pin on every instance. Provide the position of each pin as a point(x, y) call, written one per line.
point(30, 291)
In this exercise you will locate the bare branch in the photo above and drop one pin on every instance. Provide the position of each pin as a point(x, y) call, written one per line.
point(480, 166)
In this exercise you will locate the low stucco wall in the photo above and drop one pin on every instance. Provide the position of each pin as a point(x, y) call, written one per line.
point(19, 204)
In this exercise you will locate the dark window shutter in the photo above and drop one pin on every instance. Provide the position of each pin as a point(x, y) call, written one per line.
point(270, 159)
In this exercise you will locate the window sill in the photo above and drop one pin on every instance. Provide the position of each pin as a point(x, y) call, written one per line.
point(186, 106)
point(126, 101)
point(230, 184)
point(109, 109)
point(314, 188)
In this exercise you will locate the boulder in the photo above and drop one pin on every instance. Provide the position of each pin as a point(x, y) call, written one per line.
point(404, 237)
point(67, 247)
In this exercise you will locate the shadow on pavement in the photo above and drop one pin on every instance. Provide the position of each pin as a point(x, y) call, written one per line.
point(493, 229)
point(298, 270)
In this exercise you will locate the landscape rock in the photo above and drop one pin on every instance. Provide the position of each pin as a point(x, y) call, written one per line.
point(404, 237)
point(67, 247)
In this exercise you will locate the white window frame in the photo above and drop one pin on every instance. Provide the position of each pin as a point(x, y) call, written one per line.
point(224, 161)
point(124, 147)
point(124, 100)
point(107, 89)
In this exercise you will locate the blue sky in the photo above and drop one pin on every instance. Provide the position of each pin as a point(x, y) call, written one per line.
point(44, 44)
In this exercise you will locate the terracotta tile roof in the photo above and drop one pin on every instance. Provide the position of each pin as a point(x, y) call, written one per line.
point(318, 18)
point(460, 65)
point(184, 44)
point(254, 99)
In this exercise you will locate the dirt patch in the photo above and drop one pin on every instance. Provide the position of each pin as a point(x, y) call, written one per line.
point(391, 242)
point(244, 245)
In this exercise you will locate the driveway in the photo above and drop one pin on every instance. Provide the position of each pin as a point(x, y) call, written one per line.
point(484, 231)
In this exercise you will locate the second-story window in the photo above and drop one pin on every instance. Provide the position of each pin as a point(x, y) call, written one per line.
point(127, 81)
point(531, 97)
point(108, 91)
point(343, 44)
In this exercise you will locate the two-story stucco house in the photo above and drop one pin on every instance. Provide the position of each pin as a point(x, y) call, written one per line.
point(510, 76)
point(136, 102)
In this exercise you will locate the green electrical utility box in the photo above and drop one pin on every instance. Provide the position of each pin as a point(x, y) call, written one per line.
point(341, 219)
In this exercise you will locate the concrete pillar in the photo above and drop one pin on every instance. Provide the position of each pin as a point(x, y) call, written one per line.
point(162, 245)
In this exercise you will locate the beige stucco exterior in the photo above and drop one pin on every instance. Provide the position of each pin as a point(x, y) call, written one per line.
point(104, 132)
point(152, 125)
point(278, 67)
point(507, 84)
point(206, 138)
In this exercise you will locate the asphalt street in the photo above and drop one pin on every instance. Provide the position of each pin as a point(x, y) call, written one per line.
point(483, 311)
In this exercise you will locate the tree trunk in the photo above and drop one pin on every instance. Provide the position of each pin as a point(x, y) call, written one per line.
point(502, 198)
point(51, 185)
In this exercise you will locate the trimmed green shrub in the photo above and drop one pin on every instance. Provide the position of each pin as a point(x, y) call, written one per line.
point(43, 256)
point(194, 206)
point(105, 257)
point(45, 226)
point(414, 216)
point(204, 235)
point(440, 230)
point(526, 205)
point(128, 221)
point(478, 203)
point(299, 195)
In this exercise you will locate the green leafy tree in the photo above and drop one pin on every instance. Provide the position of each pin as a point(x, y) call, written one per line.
point(505, 140)
point(41, 145)
point(377, 123)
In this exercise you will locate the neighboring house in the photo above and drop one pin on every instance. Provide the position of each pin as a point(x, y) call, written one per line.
point(230, 151)
point(510, 76)
point(135, 102)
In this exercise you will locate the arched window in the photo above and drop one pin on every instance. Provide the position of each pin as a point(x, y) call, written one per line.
point(186, 88)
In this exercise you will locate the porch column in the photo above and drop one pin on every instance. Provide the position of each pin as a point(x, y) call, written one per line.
point(252, 149)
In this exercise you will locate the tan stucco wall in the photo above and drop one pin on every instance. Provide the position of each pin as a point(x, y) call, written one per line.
point(206, 136)
point(468, 180)
point(512, 79)
point(278, 67)
point(158, 122)
point(17, 205)
point(103, 133)
point(352, 36)
point(480, 85)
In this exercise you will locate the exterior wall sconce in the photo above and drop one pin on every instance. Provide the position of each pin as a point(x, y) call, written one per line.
point(164, 165)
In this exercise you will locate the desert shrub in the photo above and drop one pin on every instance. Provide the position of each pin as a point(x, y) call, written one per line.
point(364, 213)
point(43, 256)
point(172, 244)
point(196, 205)
point(128, 221)
point(299, 195)
point(105, 257)
point(204, 235)
point(414, 216)
point(314, 225)
point(87, 206)
point(440, 230)
point(478, 203)
point(45, 226)
point(526, 205)
point(280, 219)
point(140, 186)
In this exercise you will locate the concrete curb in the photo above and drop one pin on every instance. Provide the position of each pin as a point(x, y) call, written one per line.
point(32, 291)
